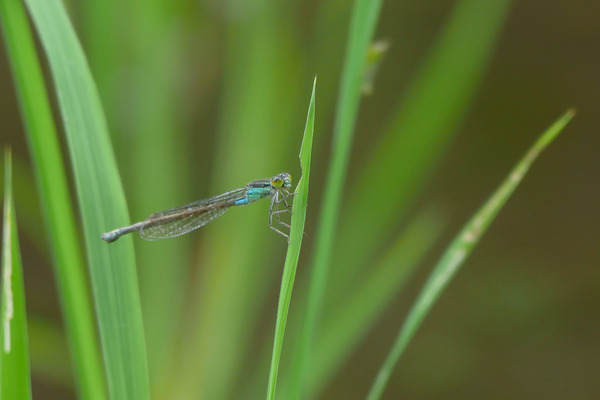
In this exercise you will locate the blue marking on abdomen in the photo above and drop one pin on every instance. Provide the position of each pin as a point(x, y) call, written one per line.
point(241, 202)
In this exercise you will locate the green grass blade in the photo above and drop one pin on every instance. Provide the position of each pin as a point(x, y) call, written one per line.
point(419, 132)
point(293, 253)
point(102, 204)
point(362, 27)
point(54, 196)
point(458, 251)
point(258, 115)
point(15, 381)
point(344, 325)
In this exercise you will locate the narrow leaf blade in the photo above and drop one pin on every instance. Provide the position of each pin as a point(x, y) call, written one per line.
point(15, 381)
point(54, 197)
point(102, 204)
point(365, 15)
point(458, 251)
point(423, 124)
point(293, 253)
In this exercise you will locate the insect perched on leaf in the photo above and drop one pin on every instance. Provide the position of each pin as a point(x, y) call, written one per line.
point(181, 220)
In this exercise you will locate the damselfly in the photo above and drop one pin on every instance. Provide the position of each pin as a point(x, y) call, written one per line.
point(181, 220)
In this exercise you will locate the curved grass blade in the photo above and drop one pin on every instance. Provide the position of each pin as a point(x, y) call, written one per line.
point(345, 325)
point(59, 219)
point(293, 253)
point(422, 127)
point(362, 27)
point(15, 381)
point(102, 203)
point(458, 251)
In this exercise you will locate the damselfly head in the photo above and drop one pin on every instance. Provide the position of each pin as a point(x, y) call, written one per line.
point(282, 180)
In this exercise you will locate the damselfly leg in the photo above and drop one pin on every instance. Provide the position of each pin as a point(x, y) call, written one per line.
point(280, 197)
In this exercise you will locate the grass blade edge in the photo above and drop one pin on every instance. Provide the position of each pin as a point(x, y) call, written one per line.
point(457, 253)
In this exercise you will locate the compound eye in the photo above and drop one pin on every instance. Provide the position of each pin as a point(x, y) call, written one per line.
point(277, 182)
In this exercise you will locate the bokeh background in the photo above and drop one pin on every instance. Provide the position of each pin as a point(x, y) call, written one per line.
point(521, 320)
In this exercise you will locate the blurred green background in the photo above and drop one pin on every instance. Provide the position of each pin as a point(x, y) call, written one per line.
point(178, 78)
